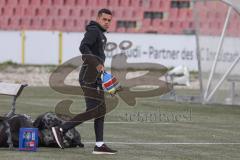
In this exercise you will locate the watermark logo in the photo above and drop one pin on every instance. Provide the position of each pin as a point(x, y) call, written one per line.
point(119, 68)
point(158, 116)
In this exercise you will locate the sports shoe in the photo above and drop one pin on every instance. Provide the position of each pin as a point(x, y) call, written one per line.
point(104, 149)
point(58, 136)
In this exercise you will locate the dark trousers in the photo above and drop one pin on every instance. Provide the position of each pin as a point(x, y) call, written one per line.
point(95, 108)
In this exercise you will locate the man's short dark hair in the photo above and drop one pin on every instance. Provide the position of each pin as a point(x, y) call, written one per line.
point(104, 10)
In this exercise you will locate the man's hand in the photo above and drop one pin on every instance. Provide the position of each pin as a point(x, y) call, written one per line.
point(100, 68)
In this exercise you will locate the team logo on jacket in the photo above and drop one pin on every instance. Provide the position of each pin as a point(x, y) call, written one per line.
point(104, 43)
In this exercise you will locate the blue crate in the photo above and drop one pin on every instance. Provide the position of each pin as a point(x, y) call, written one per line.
point(28, 139)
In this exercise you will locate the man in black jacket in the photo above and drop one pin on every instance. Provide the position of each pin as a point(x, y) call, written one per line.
point(92, 49)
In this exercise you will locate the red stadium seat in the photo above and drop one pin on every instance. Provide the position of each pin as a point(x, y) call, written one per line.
point(101, 3)
point(80, 25)
point(69, 24)
point(138, 14)
point(232, 25)
point(185, 14)
point(80, 12)
point(186, 26)
point(3, 3)
point(74, 12)
point(93, 3)
point(9, 2)
point(35, 3)
point(40, 11)
point(204, 17)
point(176, 27)
point(57, 23)
point(2, 10)
point(220, 16)
point(11, 26)
point(167, 26)
point(14, 23)
point(234, 17)
point(29, 12)
point(47, 24)
point(52, 11)
point(70, 3)
point(173, 14)
point(125, 3)
point(65, 12)
point(211, 4)
point(161, 28)
point(57, 2)
point(93, 13)
point(114, 4)
point(50, 15)
point(4, 23)
point(26, 23)
point(36, 24)
point(159, 5)
point(156, 22)
point(136, 4)
point(211, 16)
point(165, 5)
point(117, 14)
point(23, 2)
point(154, 4)
point(45, 2)
point(86, 13)
point(146, 22)
point(17, 11)
point(1, 21)
point(80, 3)
point(200, 7)
point(128, 14)
point(7, 11)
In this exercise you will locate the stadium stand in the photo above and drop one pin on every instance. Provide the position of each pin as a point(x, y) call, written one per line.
point(151, 16)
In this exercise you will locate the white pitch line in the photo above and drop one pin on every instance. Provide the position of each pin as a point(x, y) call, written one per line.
point(159, 143)
point(134, 123)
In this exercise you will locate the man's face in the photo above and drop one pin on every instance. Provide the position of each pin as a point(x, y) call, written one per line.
point(104, 20)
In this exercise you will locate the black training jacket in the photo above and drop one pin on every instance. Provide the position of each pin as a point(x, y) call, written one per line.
point(92, 49)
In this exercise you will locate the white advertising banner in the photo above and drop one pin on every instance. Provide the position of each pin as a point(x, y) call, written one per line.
point(168, 50)
point(10, 46)
point(230, 50)
point(41, 47)
point(71, 43)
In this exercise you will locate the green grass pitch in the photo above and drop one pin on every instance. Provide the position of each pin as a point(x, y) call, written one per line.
point(151, 130)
